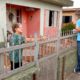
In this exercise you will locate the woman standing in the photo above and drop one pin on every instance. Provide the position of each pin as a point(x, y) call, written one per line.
point(16, 39)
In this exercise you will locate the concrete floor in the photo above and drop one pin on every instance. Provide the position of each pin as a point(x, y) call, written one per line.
point(74, 76)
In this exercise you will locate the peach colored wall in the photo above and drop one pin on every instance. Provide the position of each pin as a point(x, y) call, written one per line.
point(24, 22)
point(70, 13)
point(33, 23)
point(49, 31)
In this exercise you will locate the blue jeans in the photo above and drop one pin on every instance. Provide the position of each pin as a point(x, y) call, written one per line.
point(78, 57)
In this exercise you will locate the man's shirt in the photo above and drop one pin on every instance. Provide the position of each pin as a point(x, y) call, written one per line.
point(78, 26)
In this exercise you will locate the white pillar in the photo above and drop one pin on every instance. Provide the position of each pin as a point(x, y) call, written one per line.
point(2, 20)
point(59, 31)
point(2, 28)
point(60, 20)
point(55, 19)
point(42, 22)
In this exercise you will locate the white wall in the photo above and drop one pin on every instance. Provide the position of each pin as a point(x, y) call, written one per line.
point(2, 20)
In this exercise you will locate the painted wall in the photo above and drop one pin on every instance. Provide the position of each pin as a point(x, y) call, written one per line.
point(38, 4)
point(30, 19)
point(35, 4)
point(70, 13)
point(2, 20)
point(33, 22)
point(24, 22)
point(49, 31)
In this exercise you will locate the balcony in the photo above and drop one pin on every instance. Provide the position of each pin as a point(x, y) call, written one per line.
point(45, 56)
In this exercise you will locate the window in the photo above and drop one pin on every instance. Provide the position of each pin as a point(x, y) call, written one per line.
point(51, 18)
point(18, 16)
point(67, 19)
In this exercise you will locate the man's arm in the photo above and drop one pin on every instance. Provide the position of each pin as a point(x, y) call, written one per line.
point(78, 29)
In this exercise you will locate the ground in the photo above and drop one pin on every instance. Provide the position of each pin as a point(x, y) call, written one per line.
point(74, 76)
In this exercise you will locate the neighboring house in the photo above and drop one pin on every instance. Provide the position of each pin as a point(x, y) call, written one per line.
point(70, 15)
point(43, 17)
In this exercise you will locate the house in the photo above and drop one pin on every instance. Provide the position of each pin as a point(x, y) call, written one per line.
point(43, 17)
point(70, 15)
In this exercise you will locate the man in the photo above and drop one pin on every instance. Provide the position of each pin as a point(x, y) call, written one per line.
point(77, 69)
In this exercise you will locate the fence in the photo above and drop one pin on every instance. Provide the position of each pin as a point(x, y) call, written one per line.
point(34, 52)
point(27, 54)
point(53, 59)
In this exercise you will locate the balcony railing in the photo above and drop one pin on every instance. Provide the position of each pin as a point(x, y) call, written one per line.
point(35, 51)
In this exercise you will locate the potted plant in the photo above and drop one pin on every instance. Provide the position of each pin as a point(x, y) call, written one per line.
point(67, 28)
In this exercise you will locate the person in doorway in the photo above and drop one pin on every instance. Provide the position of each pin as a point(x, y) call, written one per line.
point(16, 39)
point(77, 69)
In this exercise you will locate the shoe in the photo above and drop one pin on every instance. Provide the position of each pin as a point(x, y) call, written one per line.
point(78, 73)
point(74, 70)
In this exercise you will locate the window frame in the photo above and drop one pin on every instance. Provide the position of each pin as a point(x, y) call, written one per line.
point(67, 21)
point(54, 19)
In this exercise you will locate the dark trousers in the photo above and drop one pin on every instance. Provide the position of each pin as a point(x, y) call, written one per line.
point(16, 65)
point(78, 57)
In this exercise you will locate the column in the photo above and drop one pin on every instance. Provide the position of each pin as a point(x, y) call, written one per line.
point(42, 22)
point(59, 31)
point(55, 19)
point(3, 29)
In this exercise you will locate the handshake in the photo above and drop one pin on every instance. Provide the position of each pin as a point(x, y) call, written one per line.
point(75, 31)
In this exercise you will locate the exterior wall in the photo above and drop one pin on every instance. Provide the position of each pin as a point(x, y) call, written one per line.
point(24, 22)
point(33, 23)
point(43, 7)
point(71, 13)
point(2, 20)
point(35, 4)
point(30, 20)
point(51, 31)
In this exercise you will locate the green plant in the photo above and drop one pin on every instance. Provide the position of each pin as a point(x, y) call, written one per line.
point(68, 27)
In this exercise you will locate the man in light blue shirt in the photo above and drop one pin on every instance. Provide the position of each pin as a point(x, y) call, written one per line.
point(78, 45)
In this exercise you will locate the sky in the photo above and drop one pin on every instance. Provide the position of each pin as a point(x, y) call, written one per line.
point(76, 3)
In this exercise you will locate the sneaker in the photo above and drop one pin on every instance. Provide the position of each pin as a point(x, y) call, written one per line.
point(78, 72)
point(74, 70)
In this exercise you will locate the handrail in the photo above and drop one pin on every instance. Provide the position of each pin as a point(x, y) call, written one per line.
point(11, 48)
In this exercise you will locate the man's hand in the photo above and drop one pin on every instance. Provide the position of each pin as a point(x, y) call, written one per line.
point(78, 29)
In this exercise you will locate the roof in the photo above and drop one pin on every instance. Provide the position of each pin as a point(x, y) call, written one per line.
point(71, 9)
point(59, 2)
point(76, 10)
